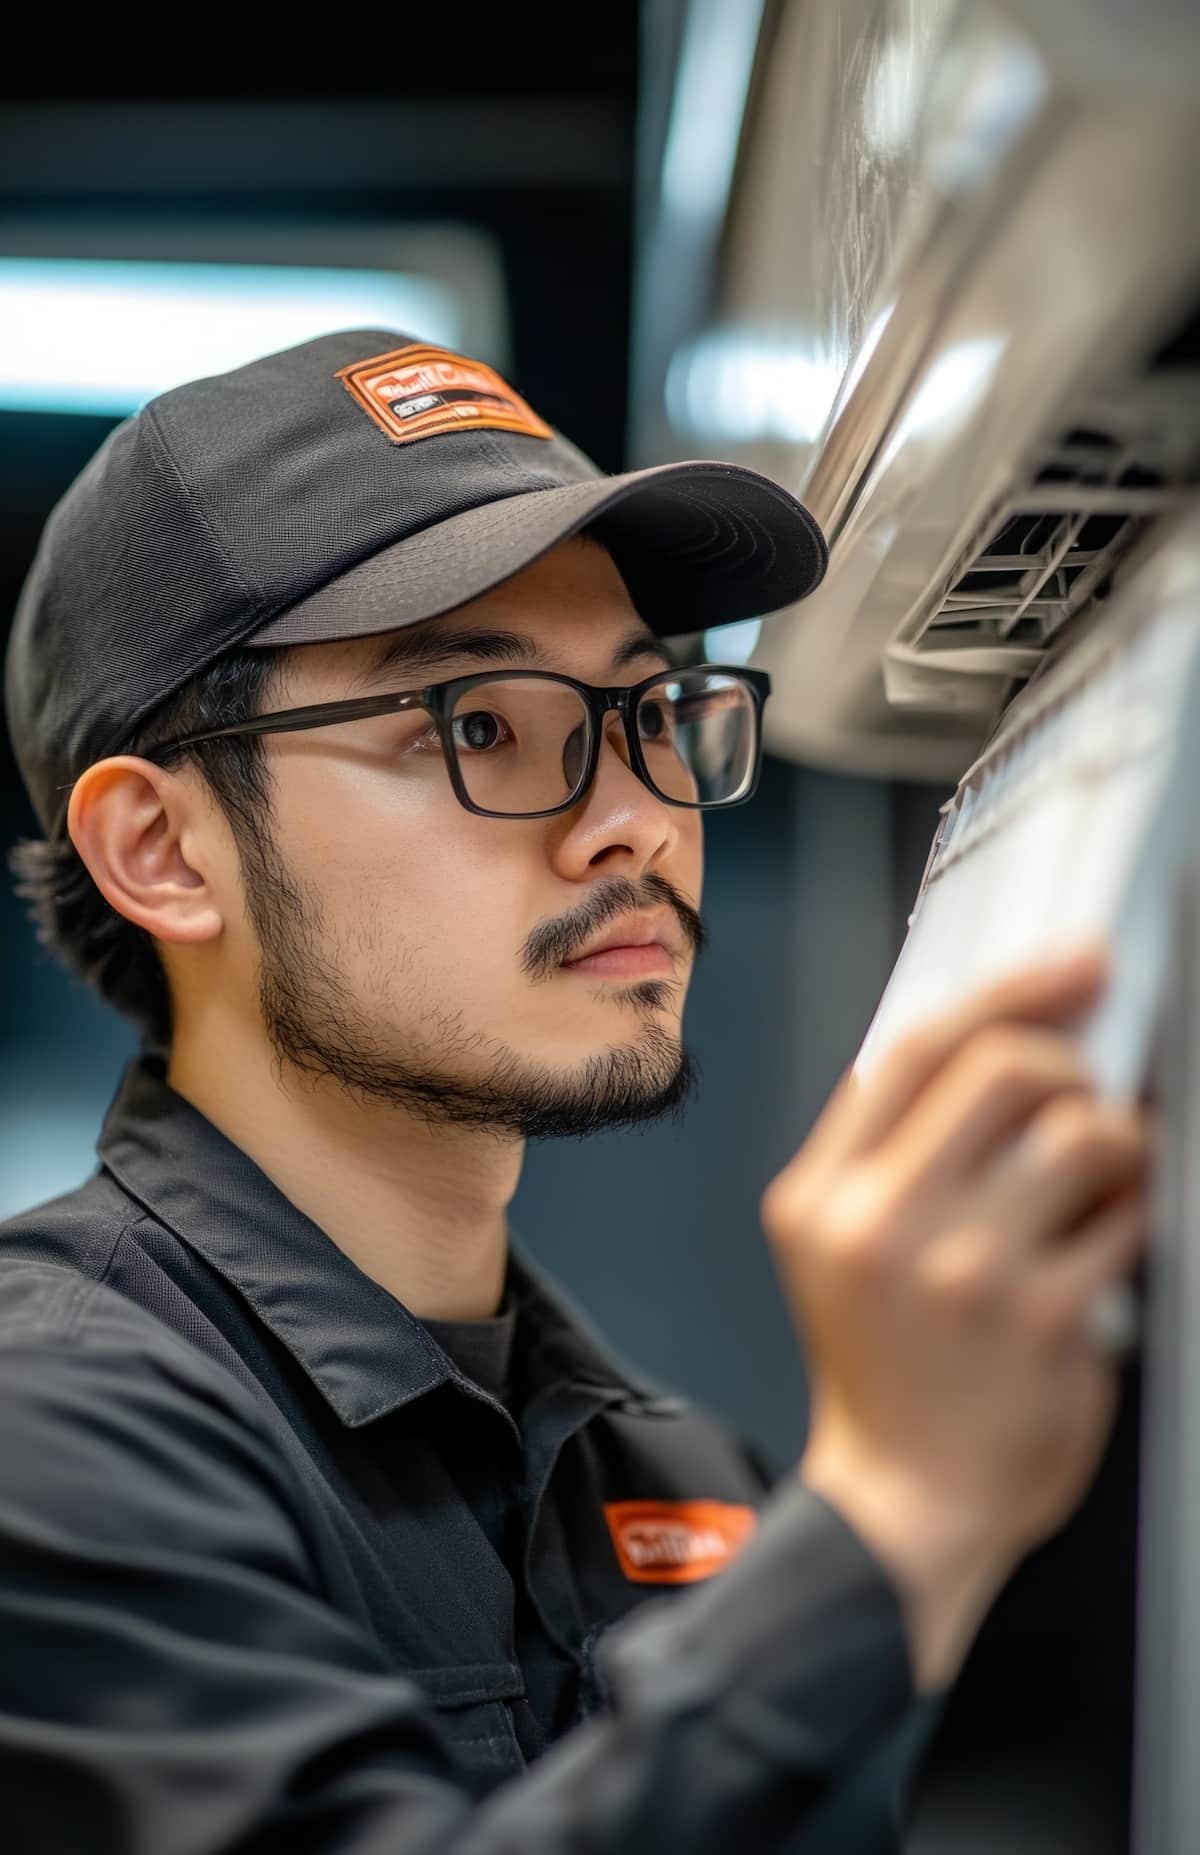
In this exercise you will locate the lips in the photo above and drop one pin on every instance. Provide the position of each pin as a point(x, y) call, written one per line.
point(634, 931)
point(651, 961)
point(638, 947)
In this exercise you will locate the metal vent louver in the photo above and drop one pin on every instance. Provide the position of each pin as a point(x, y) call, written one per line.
point(1050, 548)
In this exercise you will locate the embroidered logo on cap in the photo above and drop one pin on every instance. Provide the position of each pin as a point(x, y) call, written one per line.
point(418, 391)
point(676, 1542)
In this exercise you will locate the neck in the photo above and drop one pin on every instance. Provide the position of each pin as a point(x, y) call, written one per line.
point(422, 1210)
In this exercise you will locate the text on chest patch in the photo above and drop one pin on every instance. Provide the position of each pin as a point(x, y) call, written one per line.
point(676, 1542)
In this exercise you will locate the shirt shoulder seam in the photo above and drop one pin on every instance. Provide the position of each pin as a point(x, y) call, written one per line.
point(84, 1280)
point(103, 1259)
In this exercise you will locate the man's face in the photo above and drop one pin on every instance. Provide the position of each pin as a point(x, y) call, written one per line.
point(414, 952)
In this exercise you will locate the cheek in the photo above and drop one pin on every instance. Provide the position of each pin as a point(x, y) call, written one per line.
point(404, 885)
point(350, 830)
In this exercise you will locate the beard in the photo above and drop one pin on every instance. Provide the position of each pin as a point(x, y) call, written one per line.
point(451, 1075)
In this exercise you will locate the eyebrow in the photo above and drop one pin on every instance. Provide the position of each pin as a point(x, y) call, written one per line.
point(416, 650)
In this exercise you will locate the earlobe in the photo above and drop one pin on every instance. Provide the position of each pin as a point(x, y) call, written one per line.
point(138, 828)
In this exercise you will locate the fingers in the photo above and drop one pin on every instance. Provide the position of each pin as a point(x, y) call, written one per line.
point(995, 1084)
point(989, 1080)
point(1103, 1252)
point(862, 1114)
point(1075, 1155)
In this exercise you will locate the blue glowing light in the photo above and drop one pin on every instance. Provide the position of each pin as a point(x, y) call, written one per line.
point(101, 336)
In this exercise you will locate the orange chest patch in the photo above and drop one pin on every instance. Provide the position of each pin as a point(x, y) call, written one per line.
point(677, 1542)
point(418, 391)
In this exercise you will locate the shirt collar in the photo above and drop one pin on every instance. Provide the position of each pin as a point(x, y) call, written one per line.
point(361, 1347)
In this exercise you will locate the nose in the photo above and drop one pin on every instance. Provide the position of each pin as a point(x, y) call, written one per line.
point(618, 822)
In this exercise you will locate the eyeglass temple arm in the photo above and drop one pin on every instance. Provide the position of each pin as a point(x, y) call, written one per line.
point(316, 715)
point(288, 721)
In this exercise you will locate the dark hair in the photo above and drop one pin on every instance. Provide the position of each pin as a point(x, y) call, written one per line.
point(73, 919)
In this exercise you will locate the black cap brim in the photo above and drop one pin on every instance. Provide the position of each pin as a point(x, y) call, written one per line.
point(698, 544)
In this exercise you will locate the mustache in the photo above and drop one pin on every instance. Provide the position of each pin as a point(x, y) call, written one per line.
point(555, 941)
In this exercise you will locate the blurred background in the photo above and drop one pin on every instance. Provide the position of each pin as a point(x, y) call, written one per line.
point(933, 263)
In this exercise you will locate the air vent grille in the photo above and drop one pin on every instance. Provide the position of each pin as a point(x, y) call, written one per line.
point(1051, 546)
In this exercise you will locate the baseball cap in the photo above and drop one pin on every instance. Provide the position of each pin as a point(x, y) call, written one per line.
point(355, 483)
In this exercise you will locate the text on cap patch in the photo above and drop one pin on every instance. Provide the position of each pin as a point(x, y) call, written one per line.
point(419, 391)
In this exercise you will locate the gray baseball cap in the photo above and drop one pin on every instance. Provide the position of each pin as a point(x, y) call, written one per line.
point(354, 484)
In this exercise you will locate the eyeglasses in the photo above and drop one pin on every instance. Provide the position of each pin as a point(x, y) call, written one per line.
point(526, 743)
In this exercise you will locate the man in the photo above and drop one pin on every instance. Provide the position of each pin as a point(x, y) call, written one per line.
point(340, 690)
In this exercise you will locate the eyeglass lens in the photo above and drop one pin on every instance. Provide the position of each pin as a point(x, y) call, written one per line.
point(522, 744)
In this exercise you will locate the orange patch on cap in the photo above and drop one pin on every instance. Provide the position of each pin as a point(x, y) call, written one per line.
point(677, 1542)
point(418, 391)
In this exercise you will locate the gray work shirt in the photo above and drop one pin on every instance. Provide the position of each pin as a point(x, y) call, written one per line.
point(276, 1571)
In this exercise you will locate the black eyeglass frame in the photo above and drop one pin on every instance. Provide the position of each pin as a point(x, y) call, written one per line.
point(439, 699)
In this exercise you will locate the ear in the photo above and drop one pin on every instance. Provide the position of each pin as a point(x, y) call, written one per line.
point(150, 840)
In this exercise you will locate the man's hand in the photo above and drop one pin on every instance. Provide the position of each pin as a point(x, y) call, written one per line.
point(941, 1237)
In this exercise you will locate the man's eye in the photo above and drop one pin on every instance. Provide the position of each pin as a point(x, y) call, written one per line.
point(654, 721)
point(478, 730)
